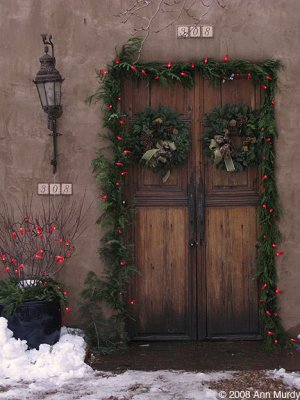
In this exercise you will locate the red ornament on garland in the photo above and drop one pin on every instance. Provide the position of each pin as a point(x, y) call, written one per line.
point(118, 184)
point(126, 152)
point(264, 87)
point(67, 310)
point(109, 107)
point(264, 286)
point(120, 232)
point(144, 72)
point(249, 76)
point(273, 102)
point(274, 245)
point(268, 140)
point(278, 291)
point(268, 313)
point(119, 164)
point(276, 342)
point(183, 73)
point(169, 64)
point(117, 61)
point(133, 68)
point(205, 60)
point(122, 122)
point(226, 57)
point(103, 72)
point(104, 196)
point(264, 177)
point(271, 333)
point(192, 64)
point(14, 235)
point(293, 340)
point(279, 253)
point(156, 77)
point(122, 263)
point(132, 302)
point(269, 78)
point(124, 173)
point(264, 206)
point(120, 138)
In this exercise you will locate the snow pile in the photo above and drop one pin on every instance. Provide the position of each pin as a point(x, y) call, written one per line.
point(62, 361)
point(289, 378)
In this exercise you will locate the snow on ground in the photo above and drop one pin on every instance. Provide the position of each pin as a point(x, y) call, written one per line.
point(289, 378)
point(59, 373)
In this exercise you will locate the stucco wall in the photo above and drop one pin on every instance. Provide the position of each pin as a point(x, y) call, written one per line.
point(85, 34)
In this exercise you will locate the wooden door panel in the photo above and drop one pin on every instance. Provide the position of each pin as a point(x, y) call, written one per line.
point(135, 98)
point(230, 269)
point(219, 182)
point(162, 303)
point(175, 96)
point(149, 184)
point(239, 91)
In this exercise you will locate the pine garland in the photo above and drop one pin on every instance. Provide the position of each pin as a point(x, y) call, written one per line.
point(111, 172)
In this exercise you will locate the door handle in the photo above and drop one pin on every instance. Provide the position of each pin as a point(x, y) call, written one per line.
point(191, 205)
point(201, 212)
point(193, 243)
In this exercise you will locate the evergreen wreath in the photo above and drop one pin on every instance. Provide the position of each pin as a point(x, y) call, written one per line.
point(231, 137)
point(111, 173)
point(159, 140)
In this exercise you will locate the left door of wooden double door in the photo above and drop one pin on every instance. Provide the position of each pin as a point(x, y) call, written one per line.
point(171, 249)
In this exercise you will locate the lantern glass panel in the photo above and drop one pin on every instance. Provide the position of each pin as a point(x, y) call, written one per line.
point(57, 93)
point(50, 92)
point(41, 91)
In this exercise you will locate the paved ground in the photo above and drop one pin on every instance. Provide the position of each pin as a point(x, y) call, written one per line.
point(197, 356)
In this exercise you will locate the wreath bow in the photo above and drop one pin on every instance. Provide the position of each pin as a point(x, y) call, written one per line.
point(221, 147)
point(161, 154)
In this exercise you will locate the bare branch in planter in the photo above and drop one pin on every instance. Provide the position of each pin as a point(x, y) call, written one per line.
point(36, 242)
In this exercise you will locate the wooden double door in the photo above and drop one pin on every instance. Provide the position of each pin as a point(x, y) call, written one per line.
point(195, 235)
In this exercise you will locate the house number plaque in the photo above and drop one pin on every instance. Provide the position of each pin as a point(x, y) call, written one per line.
point(53, 189)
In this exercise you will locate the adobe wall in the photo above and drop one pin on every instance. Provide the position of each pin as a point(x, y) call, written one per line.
point(85, 34)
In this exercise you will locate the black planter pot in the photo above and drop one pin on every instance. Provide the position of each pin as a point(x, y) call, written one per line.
point(36, 322)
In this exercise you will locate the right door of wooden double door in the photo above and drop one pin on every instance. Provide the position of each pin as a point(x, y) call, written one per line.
point(195, 235)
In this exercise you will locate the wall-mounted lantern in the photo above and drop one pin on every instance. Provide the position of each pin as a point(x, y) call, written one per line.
point(48, 82)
